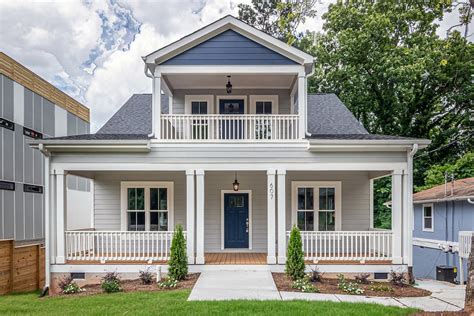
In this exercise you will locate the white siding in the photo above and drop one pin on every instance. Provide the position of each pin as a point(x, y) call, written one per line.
point(107, 196)
point(217, 181)
point(355, 196)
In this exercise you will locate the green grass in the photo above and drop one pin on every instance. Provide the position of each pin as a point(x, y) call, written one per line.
point(174, 302)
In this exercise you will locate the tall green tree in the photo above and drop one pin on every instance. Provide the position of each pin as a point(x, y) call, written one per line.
point(278, 18)
point(388, 65)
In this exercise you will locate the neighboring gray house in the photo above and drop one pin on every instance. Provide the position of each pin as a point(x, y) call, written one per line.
point(230, 145)
point(440, 214)
point(31, 108)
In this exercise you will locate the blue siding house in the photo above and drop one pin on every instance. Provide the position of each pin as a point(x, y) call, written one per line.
point(440, 214)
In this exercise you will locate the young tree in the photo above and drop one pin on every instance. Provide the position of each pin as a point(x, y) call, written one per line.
point(295, 257)
point(178, 264)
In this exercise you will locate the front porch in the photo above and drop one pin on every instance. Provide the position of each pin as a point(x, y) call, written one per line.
point(197, 201)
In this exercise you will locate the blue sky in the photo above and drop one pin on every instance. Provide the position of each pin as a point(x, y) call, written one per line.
point(92, 49)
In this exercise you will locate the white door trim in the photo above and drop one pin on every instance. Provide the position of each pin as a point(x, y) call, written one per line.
point(249, 192)
point(230, 97)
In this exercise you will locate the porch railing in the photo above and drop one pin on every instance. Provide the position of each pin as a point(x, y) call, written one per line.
point(229, 127)
point(347, 245)
point(465, 243)
point(118, 245)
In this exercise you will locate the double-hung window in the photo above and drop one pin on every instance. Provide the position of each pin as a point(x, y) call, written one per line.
point(305, 212)
point(428, 218)
point(147, 206)
point(200, 126)
point(317, 205)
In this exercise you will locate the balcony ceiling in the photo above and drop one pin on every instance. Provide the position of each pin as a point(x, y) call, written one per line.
point(204, 81)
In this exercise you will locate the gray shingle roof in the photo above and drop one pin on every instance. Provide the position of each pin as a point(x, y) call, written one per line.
point(329, 116)
point(102, 137)
point(359, 137)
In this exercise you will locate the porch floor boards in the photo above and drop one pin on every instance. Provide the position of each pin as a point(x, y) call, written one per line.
point(244, 258)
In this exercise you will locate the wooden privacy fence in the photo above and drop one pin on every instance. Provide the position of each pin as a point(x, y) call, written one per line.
point(21, 267)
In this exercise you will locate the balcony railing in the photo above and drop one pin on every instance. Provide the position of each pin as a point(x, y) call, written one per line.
point(118, 245)
point(347, 245)
point(230, 127)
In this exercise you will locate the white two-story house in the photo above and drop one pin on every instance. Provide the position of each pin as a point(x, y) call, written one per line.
point(231, 146)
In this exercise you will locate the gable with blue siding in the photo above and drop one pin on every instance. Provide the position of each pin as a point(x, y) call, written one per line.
point(229, 48)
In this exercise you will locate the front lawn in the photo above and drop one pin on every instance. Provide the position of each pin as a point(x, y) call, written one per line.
point(174, 302)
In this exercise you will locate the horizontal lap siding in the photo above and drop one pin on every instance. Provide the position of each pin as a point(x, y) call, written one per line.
point(217, 181)
point(229, 48)
point(107, 196)
point(355, 196)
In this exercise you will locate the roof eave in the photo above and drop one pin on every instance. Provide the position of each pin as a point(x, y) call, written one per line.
point(92, 145)
point(445, 199)
point(365, 144)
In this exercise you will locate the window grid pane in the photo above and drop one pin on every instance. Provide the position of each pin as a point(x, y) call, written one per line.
point(158, 221)
point(136, 198)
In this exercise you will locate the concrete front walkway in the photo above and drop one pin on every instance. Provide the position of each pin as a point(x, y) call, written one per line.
point(259, 285)
point(235, 285)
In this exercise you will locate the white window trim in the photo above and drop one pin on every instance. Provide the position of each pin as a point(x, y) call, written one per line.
point(430, 230)
point(230, 97)
point(124, 185)
point(209, 98)
point(337, 185)
point(264, 98)
point(249, 192)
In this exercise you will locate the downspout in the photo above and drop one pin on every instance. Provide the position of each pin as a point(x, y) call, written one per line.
point(47, 203)
point(410, 157)
point(306, 102)
point(146, 70)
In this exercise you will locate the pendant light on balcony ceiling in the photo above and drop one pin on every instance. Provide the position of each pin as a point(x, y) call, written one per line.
point(228, 86)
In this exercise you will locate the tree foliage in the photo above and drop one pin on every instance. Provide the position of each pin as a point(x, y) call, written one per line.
point(295, 257)
point(178, 264)
point(278, 18)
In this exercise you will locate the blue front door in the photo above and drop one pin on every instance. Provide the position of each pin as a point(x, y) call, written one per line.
point(232, 128)
point(236, 220)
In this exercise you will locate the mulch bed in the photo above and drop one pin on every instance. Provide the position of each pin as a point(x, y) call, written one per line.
point(137, 285)
point(329, 286)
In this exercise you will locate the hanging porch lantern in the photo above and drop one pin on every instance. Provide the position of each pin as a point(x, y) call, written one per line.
point(236, 184)
point(228, 86)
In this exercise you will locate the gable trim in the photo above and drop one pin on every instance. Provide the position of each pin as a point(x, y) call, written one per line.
point(219, 26)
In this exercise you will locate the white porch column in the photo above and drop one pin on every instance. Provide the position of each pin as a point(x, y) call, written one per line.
point(302, 104)
point(200, 216)
point(190, 215)
point(60, 216)
point(281, 216)
point(271, 220)
point(397, 218)
point(157, 105)
point(407, 240)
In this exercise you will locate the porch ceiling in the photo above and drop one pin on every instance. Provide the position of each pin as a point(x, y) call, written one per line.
point(239, 81)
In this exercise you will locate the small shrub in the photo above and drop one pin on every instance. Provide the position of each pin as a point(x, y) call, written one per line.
point(64, 282)
point(398, 278)
point(315, 275)
point(295, 257)
point(362, 278)
point(111, 283)
point(146, 276)
point(72, 288)
point(168, 283)
point(348, 287)
point(381, 288)
point(305, 285)
point(178, 264)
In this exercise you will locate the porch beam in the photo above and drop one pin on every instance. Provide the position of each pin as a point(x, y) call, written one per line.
point(190, 215)
point(271, 220)
point(397, 218)
point(281, 175)
point(200, 217)
point(60, 216)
